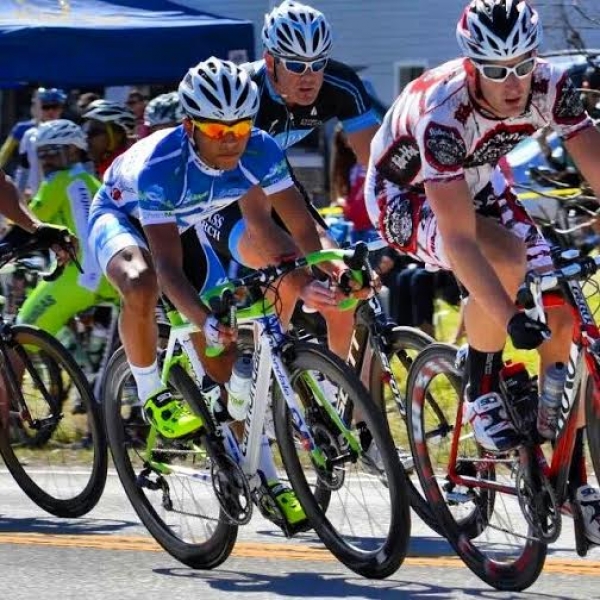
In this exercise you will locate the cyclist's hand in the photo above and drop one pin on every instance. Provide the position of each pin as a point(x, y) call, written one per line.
point(525, 333)
point(217, 334)
point(62, 242)
point(319, 296)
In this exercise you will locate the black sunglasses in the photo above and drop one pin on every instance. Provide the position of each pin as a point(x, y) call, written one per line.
point(50, 106)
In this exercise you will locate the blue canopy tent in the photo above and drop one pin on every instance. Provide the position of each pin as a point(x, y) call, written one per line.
point(75, 43)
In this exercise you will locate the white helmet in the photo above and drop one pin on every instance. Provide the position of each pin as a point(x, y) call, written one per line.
point(294, 30)
point(498, 29)
point(60, 132)
point(163, 110)
point(219, 90)
point(111, 112)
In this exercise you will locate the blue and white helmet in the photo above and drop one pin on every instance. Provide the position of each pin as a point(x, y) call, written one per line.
point(295, 30)
point(60, 132)
point(491, 30)
point(163, 110)
point(218, 90)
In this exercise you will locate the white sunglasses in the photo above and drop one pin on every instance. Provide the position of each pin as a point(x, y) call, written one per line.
point(499, 73)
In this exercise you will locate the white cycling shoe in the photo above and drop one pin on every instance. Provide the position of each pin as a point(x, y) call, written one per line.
point(588, 499)
point(491, 424)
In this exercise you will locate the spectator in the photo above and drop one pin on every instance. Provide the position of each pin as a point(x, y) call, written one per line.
point(163, 112)
point(136, 103)
point(50, 104)
point(347, 187)
point(85, 100)
point(411, 290)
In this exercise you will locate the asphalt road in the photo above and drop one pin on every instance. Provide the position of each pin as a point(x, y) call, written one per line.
point(108, 554)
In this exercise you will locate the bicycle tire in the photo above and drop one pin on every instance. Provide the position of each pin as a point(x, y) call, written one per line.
point(592, 421)
point(388, 558)
point(86, 500)
point(507, 576)
point(400, 340)
point(207, 555)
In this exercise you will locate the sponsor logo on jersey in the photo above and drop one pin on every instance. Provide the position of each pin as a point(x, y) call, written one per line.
point(568, 108)
point(463, 112)
point(498, 143)
point(402, 162)
point(116, 194)
point(445, 150)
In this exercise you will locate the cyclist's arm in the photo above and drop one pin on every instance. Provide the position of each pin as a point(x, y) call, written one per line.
point(255, 207)
point(360, 142)
point(12, 207)
point(7, 150)
point(452, 204)
point(165, 247)
point(584, 149)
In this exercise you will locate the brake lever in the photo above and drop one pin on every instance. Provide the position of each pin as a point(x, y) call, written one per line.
point(54, 274)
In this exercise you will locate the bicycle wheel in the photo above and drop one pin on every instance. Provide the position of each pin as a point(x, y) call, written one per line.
point(168, 482)
point(475, 496)
point(58, 459)
point(405, 343)
point(367, 523)
point(592, 421)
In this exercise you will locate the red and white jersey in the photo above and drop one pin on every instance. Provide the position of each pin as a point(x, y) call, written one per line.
point(435, 132)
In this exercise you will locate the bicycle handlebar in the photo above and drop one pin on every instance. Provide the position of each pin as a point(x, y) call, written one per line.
point(8, 253)
point(223, 299)
point(575, 268)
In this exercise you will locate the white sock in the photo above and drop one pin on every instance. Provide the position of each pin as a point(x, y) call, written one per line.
point(266, 463)
point(147, 380)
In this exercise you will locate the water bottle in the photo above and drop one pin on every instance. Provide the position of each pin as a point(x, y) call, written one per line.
point(239, 387)
point(550, 399)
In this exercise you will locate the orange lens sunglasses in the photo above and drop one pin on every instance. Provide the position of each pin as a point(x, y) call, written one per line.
point(217, 131)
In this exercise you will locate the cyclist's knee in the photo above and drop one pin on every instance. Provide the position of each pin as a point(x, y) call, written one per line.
point(138, 287)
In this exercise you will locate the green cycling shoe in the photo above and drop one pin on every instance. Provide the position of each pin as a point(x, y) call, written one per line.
point(288, 504)
point(172, 418)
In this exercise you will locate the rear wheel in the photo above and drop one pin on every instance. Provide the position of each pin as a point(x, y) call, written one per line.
point(405, 345)
point(168, 482)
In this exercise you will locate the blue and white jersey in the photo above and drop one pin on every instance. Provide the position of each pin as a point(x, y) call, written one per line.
point(343, 96)
point(161, 180)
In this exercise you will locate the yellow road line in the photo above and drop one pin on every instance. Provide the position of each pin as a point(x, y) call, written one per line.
point(287, 551)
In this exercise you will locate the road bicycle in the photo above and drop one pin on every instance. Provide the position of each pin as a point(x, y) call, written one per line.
point(46, 457)
point(192, 494)
point(500, 511)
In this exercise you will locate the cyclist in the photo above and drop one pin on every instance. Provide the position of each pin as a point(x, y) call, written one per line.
point(51, 103)
point(170, 182)
point(107, 126)
point(162, 112)
point(301, 88)
point(64, 199)
point(433, 191)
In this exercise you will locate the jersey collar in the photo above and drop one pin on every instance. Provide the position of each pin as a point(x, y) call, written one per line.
point(200, 164)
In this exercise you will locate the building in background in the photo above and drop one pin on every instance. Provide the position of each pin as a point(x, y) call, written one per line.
point(395, 40)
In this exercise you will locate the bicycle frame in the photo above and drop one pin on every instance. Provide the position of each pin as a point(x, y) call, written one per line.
point(270, 342)
point(583, 356)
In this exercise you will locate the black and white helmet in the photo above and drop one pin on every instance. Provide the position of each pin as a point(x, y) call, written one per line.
point(111, 112)
point(163, 110)
point(498, 29)
point(60, 132)
point(218, 90)
point(294, 30)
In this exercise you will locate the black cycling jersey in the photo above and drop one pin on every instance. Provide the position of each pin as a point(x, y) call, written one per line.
point(343, 96)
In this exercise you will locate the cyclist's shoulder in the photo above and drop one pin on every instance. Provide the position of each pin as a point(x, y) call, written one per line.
point(255, 69)
point(342, 79)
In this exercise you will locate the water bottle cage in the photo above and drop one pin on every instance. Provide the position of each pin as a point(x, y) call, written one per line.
point(521, 400)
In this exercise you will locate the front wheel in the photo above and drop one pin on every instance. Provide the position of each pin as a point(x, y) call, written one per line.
point(58, 459)
point(349, 481)
point(480, 499)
